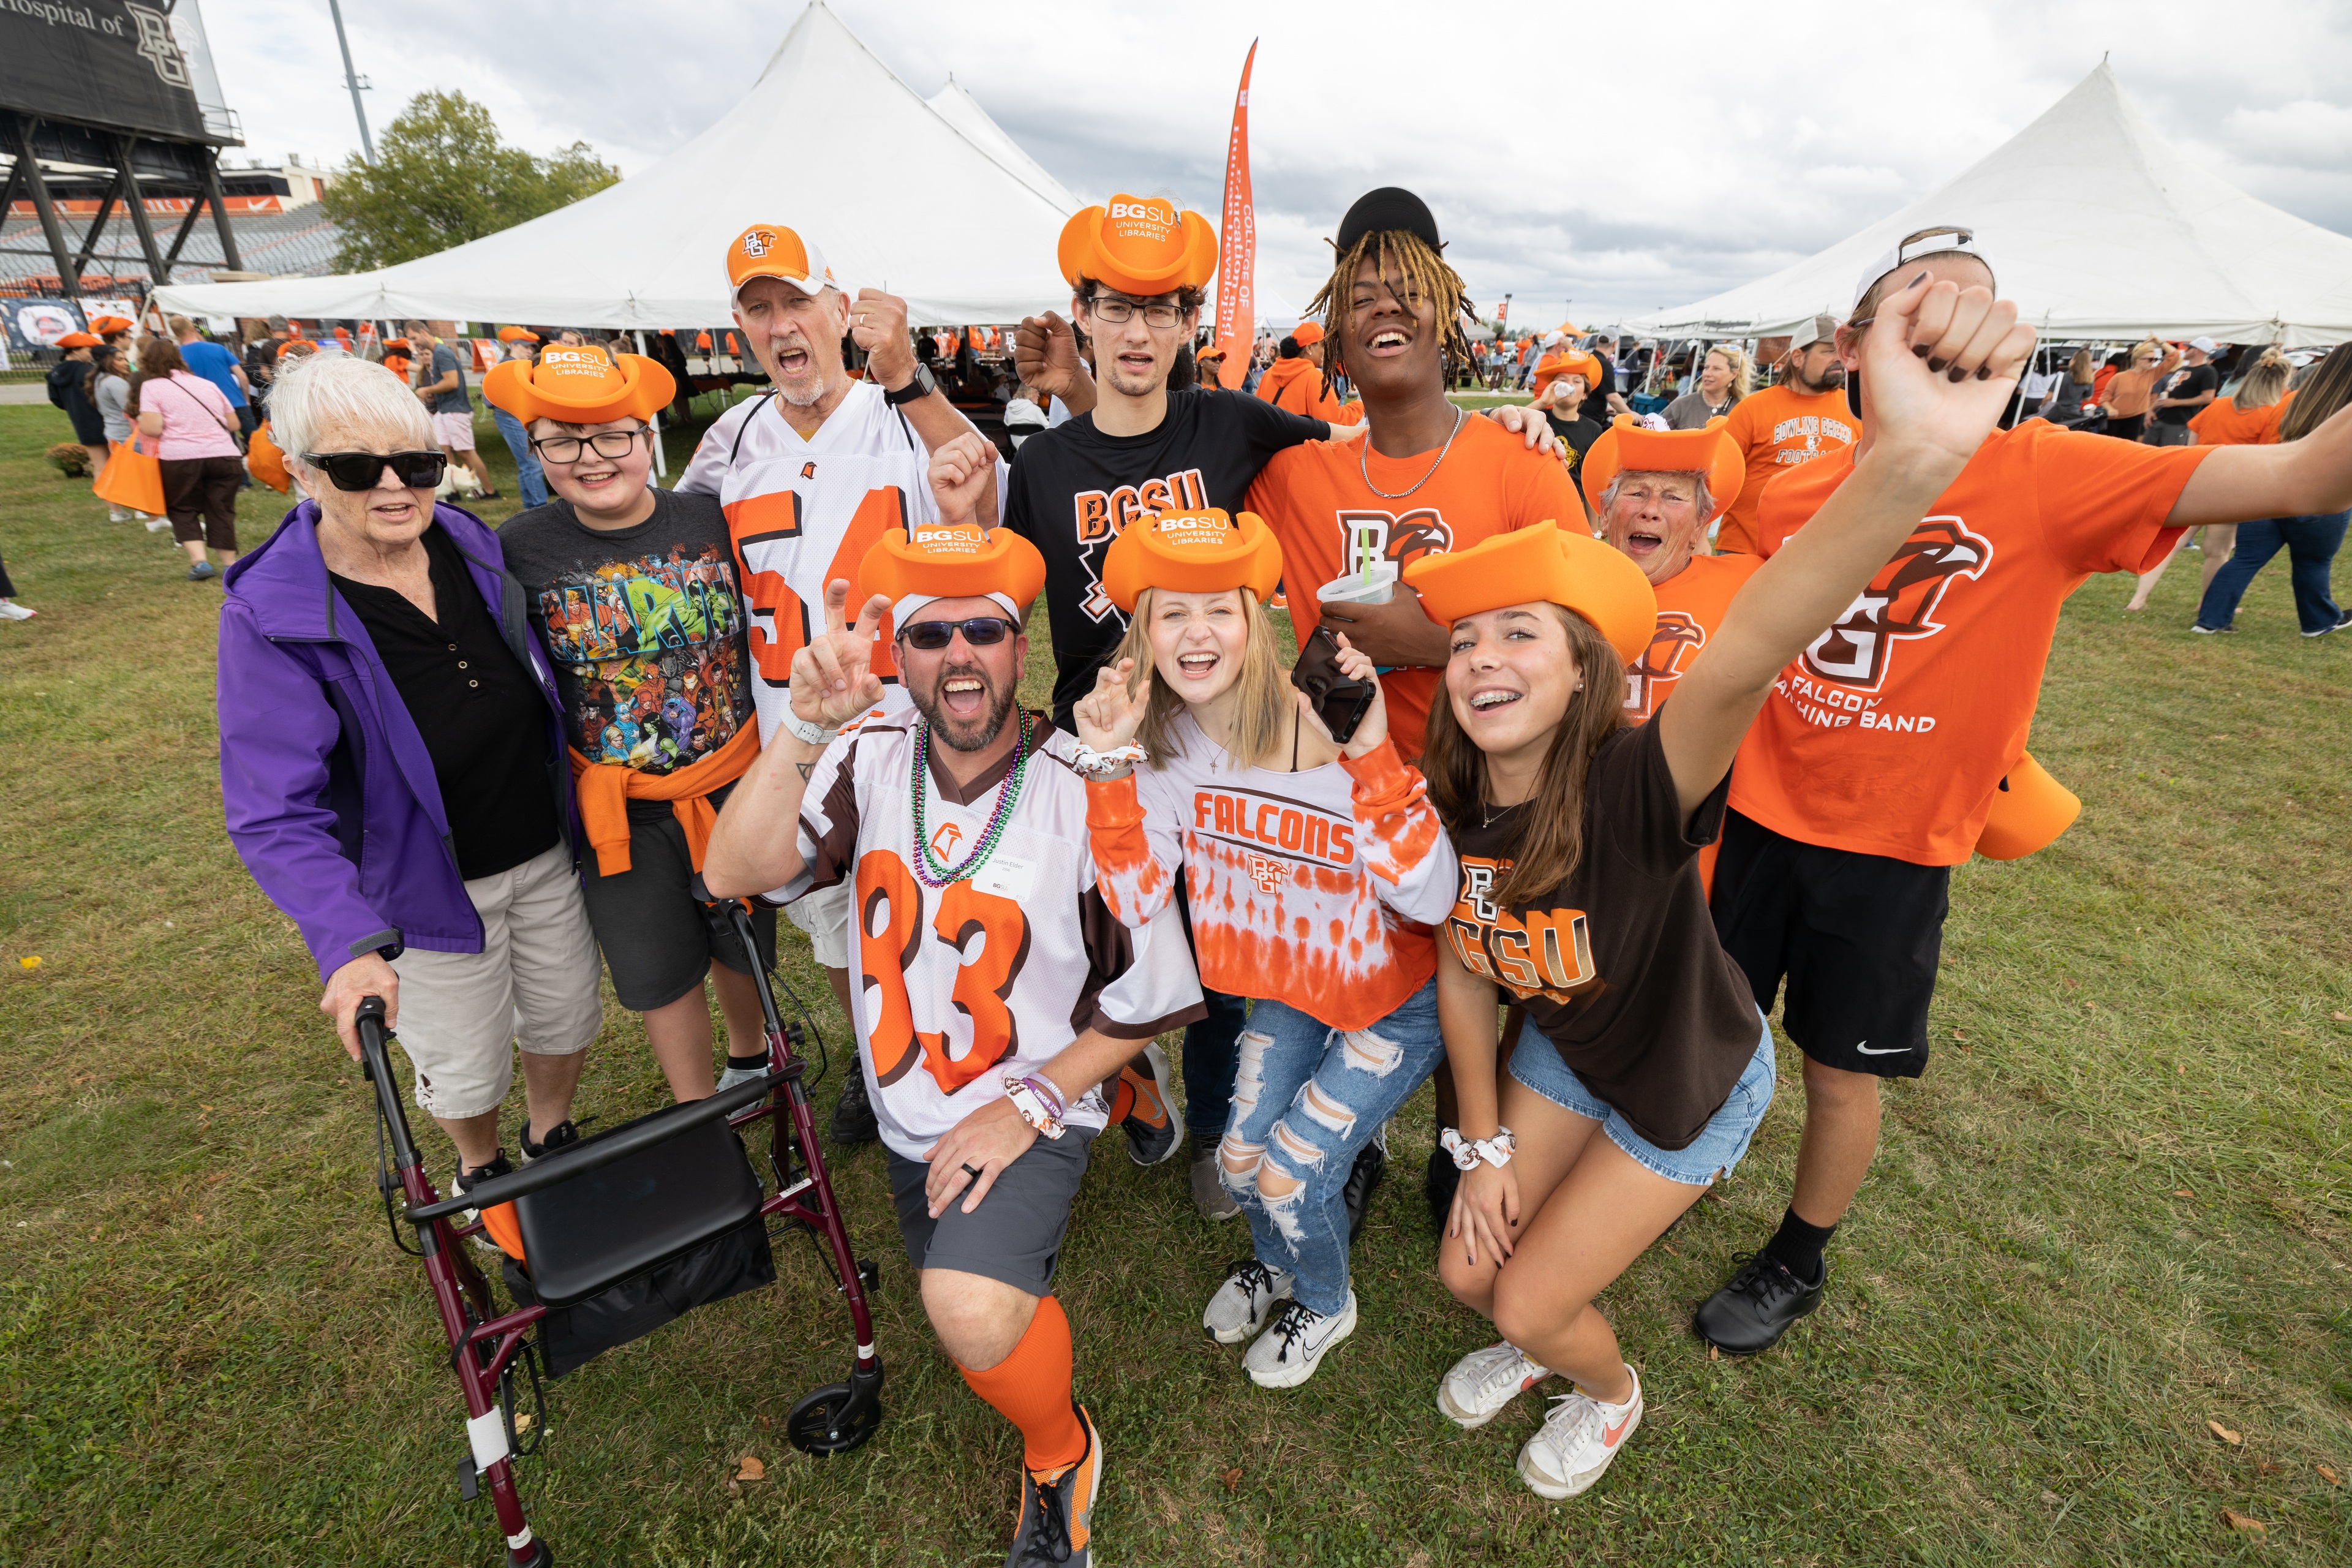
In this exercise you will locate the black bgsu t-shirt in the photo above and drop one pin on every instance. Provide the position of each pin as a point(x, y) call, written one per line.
point(1619, 967)
point(1073, 488)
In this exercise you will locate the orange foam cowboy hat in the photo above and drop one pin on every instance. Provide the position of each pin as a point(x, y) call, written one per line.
point(1203, 551)
point(1629, 447)
point(1561, 566)
point(951, 561)
point(579, 387)
point(2029, 810)
point(1142, 246)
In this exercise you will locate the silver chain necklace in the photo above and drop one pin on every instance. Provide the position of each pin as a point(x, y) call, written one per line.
point(1363, 462)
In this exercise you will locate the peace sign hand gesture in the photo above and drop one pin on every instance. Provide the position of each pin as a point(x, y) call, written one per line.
point(1108, 716)
point(833, 678)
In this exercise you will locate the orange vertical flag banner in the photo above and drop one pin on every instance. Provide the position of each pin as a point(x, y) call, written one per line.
point(1238, 250)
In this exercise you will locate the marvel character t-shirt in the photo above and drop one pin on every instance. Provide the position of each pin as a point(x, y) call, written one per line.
point(1073, 488)
point(645, 626)
point(1619, 965)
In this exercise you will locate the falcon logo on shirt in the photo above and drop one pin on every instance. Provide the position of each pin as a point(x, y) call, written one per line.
point(1900, 602)
point(1678, 637)
point(943, 842)
point(1269, 875)
point(1402, 538)
point(808, 470)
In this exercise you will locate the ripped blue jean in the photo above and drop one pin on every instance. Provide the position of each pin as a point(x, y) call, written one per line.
point(1306, 1098)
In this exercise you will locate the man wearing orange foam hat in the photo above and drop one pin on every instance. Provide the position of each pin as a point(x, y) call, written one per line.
point(1000, 992)
point(810, 475)
point(635, 594)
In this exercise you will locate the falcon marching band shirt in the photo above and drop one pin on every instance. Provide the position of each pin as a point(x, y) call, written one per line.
point(1777, 429)
point(954, 987)
point(1314, 888)
point(1690, 607)
point(1890, 733)
point(805, 510)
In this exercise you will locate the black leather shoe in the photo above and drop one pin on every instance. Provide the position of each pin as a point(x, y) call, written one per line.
point(1363, 1176)
point(853, 1113)
point(1438, 1187)
point(1751, 1313)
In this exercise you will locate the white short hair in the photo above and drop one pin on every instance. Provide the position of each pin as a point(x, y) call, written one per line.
point(327, 392)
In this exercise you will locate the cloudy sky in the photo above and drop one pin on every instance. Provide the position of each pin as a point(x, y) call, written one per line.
point(1591, 160)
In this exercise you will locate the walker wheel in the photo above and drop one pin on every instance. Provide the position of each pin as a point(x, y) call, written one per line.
point(815, 1425)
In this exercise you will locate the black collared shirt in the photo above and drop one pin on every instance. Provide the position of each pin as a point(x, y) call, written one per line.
point(482, 716)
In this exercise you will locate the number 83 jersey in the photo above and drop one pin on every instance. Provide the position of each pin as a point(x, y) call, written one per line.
point(954, 987)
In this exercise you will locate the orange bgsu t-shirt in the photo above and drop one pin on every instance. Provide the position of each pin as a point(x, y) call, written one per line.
point(1313, 496)
point(1777, 429)
point(1690, 606)
point(2222, 422)
point(1889, 734)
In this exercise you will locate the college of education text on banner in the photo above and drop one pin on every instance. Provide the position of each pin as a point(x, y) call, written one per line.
point(1237, 255)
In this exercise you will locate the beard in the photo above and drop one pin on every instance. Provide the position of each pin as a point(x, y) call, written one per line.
point(960, 734)
point(1835, 376)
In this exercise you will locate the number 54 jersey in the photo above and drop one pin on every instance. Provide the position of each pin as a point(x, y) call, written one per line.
point(954, 987)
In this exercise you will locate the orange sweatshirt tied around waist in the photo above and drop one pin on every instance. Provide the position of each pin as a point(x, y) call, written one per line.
point(605, 789)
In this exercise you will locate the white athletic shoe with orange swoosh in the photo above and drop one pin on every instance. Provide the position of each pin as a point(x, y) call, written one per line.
point(1580, 1437)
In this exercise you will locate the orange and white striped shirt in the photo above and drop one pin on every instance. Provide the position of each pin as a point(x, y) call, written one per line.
point(1316, 888)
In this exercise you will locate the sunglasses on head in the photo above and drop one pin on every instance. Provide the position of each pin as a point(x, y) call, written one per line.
point(980, 632)
point(360, 470)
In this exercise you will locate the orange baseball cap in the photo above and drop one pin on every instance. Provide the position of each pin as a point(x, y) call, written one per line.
point(517, 335)
point(1140, 246)
point(2029, 810)
point(1307, 332)
point(579, 387)
point(951, 561)
point(1570, 569)
point(1629, 447)
point(1203, 551)
point(771, 250)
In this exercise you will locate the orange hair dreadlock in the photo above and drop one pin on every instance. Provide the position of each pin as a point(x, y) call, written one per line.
point(1422, 271)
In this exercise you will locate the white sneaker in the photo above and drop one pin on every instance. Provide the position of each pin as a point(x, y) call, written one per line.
point(158, 524)
point(1238, 1310)
point(1580, 1437)
point(116, 514)
point(1485, 1381)
point(734, 1076)
point(1286, 1354)
point(11, 611)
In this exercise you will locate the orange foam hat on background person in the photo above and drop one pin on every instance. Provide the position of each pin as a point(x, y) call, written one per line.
point(1202, 552)
point(517, 335)
point(1629, 446)
point(950, 561)
point(102, 325)
point(79, 340)
point(1140, 246)
point(2029, 810)
point(1569, 569)
point(580, 386)
point(266, 462)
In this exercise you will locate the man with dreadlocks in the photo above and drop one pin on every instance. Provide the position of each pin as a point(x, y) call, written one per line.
point(1425, 477)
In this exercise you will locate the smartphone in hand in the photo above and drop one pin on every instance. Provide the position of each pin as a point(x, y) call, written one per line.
point(1339, 701)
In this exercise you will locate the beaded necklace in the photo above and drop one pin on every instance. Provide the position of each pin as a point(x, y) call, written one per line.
point(929, 870)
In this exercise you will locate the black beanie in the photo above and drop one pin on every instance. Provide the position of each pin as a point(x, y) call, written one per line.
point(1390, 207)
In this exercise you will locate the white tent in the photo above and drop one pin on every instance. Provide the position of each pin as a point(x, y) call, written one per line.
point(930, 200)
point(2099, 228)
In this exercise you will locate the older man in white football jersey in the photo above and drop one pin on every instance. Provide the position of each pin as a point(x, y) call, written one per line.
point(810, 475)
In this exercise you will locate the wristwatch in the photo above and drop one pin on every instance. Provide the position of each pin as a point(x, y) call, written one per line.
point(801, 729)
point(922, 386)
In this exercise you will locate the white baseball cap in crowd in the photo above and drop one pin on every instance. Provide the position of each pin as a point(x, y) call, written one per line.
point(2205, 346)
point(1944, 239)
point(1813, 329)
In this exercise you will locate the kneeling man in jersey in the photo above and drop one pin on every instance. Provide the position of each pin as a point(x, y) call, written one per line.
point(995, 992)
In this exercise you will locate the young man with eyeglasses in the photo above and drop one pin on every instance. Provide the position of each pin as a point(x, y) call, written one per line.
point(809, 475)
point(634, 594)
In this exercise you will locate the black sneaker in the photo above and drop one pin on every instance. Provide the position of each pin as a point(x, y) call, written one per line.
point(2343, 620)
point(1153, 1130)
point(1751, 1313)
point(853, 1113)
point(562, 1135)
point(1364, 1177)
point(1057, 1509)
point(464, 1180)
point(1438, 1187)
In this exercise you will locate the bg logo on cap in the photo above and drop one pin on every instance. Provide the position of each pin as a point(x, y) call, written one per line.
point(758, 242)
point(1187, 531)
point(947, 541)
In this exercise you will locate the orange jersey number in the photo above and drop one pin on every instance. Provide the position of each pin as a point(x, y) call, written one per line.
point(991, 939)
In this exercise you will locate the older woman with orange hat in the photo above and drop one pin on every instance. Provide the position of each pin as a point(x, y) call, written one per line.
point(1315, 869)
point(634, 593)
point(1645, 1065)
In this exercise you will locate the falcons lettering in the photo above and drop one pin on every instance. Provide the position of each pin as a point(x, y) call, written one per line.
point(1899, 603)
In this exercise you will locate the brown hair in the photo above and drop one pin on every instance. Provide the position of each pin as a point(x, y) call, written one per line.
point(1264, 708)
point(158, 358)
point(1550, 839)
point(2083, 368)
point(2329, 389)
point(2264, 385)
point(1422, 269)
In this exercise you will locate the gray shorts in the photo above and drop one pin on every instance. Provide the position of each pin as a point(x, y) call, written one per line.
point(660, 942)
point(1015, 1234)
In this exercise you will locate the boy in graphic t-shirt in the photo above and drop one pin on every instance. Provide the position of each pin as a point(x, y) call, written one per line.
point(633, 591)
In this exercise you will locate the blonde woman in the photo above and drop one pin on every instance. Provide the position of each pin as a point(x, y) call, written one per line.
point(2251, 419)
point(2133, 388)
point(1725, 376)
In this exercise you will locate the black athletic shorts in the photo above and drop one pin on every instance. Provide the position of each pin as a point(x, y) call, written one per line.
point(658, 941)
point(1015, 1234)
point(1857, 935)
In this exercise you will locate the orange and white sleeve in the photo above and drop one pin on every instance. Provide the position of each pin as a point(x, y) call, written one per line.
point(1138, 855)
point(1400, 839)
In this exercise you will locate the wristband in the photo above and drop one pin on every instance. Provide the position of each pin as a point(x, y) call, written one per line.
point(1046, 1091)
point(1100, 767)
point(1031, 1109)
point(800, 728)
point(1468, 1151)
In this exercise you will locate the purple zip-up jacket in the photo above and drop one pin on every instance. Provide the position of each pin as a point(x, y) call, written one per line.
point(331, 799)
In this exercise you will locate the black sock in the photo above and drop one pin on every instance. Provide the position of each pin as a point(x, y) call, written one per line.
point(756, 1062)
point(1797, 1247)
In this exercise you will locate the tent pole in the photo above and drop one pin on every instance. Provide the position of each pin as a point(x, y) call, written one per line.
point(661, 461)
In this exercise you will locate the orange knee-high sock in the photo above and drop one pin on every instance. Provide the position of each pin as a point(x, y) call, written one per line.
point(1031, 1388)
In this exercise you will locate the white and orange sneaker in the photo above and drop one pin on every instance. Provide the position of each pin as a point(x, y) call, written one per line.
point(1057, 1509)
point(1581, 1435)
point(1485, 1381)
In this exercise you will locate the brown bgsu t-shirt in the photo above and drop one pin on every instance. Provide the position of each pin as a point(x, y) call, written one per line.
point(1619, 967)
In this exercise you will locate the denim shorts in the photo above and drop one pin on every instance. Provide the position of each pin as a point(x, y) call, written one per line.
point(1710, 1156)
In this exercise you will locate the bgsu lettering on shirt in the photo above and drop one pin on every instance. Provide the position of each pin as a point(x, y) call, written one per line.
point(1900, 603)
point(1099, 516)
point(1275, 824)
point(1531, 952)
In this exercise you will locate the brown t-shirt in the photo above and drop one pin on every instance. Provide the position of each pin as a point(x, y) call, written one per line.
point(1619, 967)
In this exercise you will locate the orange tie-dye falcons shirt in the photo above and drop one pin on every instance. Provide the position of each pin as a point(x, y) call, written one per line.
point(1316, 888)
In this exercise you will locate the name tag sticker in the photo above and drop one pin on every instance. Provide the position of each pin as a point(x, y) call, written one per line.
point(1006, 877)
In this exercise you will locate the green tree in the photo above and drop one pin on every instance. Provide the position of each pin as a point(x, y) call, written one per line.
point(442, 177)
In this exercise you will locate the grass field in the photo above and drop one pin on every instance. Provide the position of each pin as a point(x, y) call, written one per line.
point(2118, 1208)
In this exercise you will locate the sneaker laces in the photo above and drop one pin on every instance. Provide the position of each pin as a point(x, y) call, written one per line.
point(1508, 1365)
point(1252, 1276)
point(1573, 1417)
point(1294, 1319)
point(1763, 1279)
point(1048, 1540)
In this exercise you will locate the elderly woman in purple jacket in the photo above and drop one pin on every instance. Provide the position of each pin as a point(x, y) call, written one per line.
point(393, 768)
